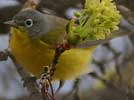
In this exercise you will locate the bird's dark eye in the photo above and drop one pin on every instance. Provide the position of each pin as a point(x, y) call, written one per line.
point(28, 23)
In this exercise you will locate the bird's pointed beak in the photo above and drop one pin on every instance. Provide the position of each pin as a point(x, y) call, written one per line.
point(11, 22)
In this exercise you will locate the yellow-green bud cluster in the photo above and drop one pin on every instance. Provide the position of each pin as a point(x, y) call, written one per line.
point(97, 20)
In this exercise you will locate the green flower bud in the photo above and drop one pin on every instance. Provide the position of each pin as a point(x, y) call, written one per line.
point(96, 21)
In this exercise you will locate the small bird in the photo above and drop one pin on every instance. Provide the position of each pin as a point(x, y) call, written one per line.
point(34, 36)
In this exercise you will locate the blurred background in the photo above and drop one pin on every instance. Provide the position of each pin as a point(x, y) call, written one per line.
point(112, 76)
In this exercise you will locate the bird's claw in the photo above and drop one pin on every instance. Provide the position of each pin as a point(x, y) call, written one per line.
point(45, 82)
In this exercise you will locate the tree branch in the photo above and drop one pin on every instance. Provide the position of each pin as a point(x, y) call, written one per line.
point(126, 13)
point(29, 81)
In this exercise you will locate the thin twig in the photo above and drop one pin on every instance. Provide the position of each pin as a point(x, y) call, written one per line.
point(107, 83)
point(100, 65)
point(46, 77)
point(58, 51)
point(76, 88)
point(128, 14)
point(115, 34)
point(73, 94)
point(116, 57)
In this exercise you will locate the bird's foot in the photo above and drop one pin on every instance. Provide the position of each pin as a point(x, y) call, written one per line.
point(45, 82)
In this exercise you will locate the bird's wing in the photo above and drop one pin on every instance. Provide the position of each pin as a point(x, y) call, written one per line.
point(56, 30)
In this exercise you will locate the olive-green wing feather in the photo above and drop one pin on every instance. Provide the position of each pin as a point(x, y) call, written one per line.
point(56, 30)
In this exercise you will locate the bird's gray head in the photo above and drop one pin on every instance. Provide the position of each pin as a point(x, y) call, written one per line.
point(31, 21)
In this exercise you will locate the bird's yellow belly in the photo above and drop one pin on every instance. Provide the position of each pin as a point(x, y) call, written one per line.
point(34, 55)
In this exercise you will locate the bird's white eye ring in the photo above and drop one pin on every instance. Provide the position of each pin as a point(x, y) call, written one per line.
point(28, 23)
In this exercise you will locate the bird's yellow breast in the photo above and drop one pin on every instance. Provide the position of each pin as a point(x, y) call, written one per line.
point(33, 55)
